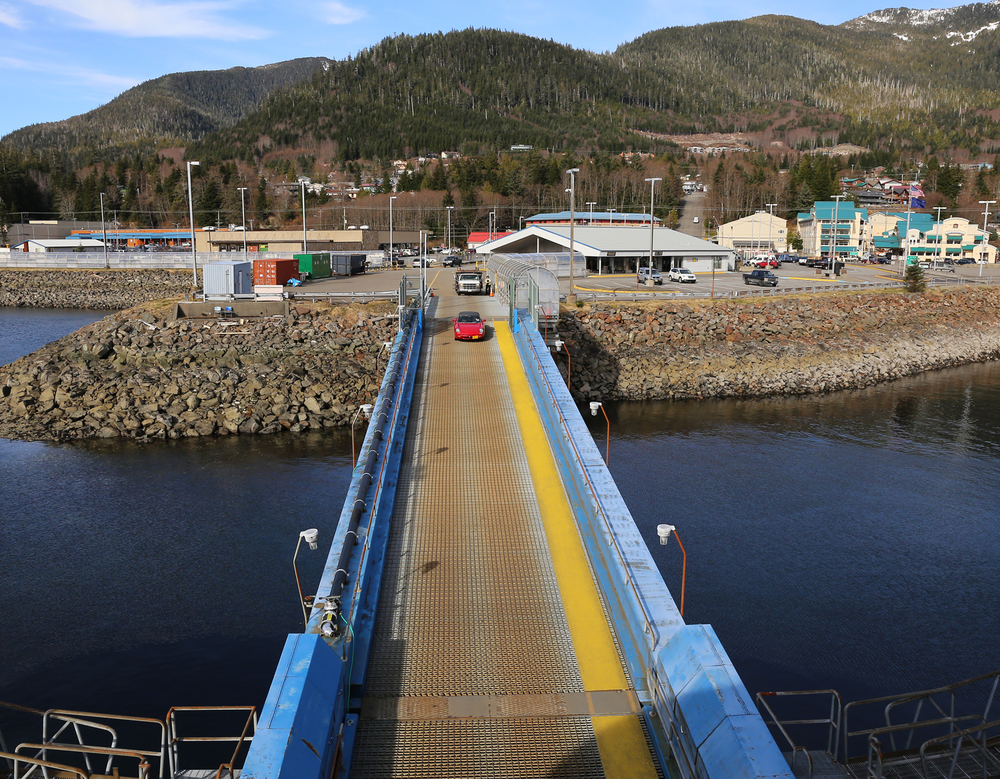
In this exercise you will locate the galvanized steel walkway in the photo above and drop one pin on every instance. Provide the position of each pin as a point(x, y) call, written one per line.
point(475, 668)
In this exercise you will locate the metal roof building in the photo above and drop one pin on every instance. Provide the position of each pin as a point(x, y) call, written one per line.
point(59, 245)
point(618, 249)
point(591, 218)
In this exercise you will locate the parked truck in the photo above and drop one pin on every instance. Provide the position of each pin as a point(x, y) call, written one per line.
point(762, 278)
point(470, 282)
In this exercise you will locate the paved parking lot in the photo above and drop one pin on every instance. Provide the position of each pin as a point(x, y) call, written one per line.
point(724, 284)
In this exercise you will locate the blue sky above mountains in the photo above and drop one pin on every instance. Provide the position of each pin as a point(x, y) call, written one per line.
point(64, 57)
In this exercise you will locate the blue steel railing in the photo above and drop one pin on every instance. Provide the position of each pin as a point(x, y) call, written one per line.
point(310, 717)
point(697, 708)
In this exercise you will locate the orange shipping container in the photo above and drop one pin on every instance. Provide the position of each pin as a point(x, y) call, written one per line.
point(275, 271)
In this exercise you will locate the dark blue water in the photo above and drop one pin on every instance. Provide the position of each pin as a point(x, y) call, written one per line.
point(22, 330)
point(845, 541)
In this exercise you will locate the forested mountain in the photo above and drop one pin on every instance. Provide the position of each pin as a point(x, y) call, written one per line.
point(178, 107)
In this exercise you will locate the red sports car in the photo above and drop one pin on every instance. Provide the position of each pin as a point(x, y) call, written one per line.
point(469, 326)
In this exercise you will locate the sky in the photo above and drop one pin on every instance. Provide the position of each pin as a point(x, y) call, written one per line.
point(60, 58)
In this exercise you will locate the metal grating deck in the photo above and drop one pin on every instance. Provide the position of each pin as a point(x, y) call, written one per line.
point(470, 604)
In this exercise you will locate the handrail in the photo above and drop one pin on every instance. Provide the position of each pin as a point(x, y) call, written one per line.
point(87, 718)
point(960, 735)
point(85, 750)
point(600, 506)
point(876, 756)
point(381, 474)
point(175, 739)
point(14, 759)
point(833, 720)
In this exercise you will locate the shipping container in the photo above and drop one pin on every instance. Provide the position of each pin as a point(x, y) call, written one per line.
point(227, 278)
point(275, 271)
point(316, 264)
point(344, 264)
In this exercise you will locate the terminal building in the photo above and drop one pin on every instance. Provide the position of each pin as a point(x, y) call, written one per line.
point(618, 249)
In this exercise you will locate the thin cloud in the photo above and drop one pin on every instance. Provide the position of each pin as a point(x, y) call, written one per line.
point(72, 74)
point(150, 19)
point(10, 17)
point(338, 13)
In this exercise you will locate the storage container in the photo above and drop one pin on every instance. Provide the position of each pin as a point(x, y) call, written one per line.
point(275, 271)
point(227, 278)
point(316, 264)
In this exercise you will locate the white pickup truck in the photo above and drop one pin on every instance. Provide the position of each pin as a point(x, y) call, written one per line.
point(469, 283)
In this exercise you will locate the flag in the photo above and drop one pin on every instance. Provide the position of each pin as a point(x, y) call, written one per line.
point(917, 197)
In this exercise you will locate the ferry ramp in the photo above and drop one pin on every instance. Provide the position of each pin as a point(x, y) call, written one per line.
point(488, 607)
point(478, 668)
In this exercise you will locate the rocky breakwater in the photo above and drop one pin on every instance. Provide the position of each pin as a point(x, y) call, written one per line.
point(103, 290)
point(775, 346)
point(138, 374)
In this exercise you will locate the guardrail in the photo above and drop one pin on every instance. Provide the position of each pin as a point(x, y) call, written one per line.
point(308, 723)
point(696, 707)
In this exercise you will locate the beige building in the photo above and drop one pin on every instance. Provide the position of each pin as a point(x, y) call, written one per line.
point(760, 232)
point(954, 238)
point(290, 241)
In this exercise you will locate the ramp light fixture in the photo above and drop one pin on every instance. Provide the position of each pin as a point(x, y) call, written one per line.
point(311, 537)
point(664, 531)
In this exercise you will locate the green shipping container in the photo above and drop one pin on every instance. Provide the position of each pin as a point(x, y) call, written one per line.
point(316, 264)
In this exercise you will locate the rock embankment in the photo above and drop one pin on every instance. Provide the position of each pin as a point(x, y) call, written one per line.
point(102, 290)
point(775, 346)
point(137, 374)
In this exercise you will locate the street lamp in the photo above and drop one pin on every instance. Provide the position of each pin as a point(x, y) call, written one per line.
point(770, 224)
point(591, 203)
point(986, 216)
point(451, 246)
point(611, 216)
point(392, 258)
point(571, 297)
point(569, 364)
point(652, 185)
point(104, 231)
point(194, 255)
point(303, 180)
point(594, 405)
point(243, 208)
point(836, 230)
point(664, 531)
point(366, 409)
point(311, 537)
point(939, 209)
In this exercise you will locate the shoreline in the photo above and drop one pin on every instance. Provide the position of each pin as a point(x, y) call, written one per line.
point(141, 375)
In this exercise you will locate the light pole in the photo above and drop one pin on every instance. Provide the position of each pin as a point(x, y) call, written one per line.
point(104, 231)
point(303, 180)
point(520, 223)
point(652, 186)
point(664, 531)
point(194, 255)
point(243, 208)
point(836, 230)
point(594, 405)
point(611, 216)
point(311, 537)
point(569, 364)
point(451, 246)
point(571, 297)
point(392, 258)
point(591, 203)
point(940, 236)
point(986, 216)
point(770, 208)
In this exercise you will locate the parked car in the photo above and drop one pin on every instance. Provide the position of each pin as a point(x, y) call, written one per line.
point(762, 278)
point(425, 261)
point(469, 326)
point(696, 220)
point(788, 258)
point(682, 275)
point(643, 274)
point(451, 261)
point(765, 262)
point(965, 261)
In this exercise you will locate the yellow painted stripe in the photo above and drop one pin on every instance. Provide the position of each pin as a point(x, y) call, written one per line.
point(620, 739)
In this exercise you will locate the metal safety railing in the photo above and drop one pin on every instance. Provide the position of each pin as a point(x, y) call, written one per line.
point(241, 741)
point(595, 493)
point(832, 722)
point(157, 753)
